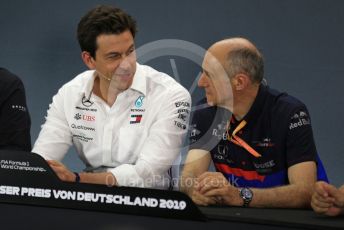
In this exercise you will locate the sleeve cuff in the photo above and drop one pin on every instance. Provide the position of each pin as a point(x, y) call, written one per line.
point(126, 175)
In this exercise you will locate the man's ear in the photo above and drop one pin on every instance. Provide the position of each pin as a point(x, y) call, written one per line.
point(240, 81)
point(88, 60)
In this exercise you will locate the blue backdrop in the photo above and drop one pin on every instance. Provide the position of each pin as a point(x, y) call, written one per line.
point(302, 42)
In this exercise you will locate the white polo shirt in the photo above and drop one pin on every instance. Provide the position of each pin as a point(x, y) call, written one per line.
point(137, 139)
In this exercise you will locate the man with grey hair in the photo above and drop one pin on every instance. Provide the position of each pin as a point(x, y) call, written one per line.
point(260, 140)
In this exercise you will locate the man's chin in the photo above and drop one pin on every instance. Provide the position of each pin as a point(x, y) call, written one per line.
point(125, 87)
point(120, 86)
point(210, 102)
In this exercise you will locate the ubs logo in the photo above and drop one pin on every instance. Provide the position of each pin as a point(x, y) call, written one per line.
point(86, 102)
point(78, 116)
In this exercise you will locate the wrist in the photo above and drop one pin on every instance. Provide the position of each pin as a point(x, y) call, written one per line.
point(240, 202)
point(187, 185)
point(77, 177)
point(110, 180)
point(234, 198)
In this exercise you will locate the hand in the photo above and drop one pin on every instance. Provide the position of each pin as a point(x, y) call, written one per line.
point(62, 171)
point(202, 200)
point(189, 188)
point(341, 188)
point(323, 201)
point(339, 197)
point(215, 185)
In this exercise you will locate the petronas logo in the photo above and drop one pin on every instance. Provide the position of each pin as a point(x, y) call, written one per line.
point(139, 101)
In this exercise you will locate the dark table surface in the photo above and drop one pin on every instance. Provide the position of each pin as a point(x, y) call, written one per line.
point(294, 218)
point(15, 216)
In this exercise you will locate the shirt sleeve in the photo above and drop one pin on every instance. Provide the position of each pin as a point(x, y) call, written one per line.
point(15, 119)
point(55, 137)
point(162, 146)
point(300, 141)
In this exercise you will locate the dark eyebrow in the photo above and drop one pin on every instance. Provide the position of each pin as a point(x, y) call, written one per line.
point(112, 54)
point(206, 72)
point(117, 53)
point(130, 47)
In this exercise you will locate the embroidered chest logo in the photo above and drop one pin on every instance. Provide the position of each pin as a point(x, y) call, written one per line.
point(299, 119)
point(19, 107)
point(77, 116)
point(135, 118)
point(220, 131)
point(266, 142)
point(84, 117)
point(137, 112)
point(194, 131)
point(86, 102)
point(139, 102)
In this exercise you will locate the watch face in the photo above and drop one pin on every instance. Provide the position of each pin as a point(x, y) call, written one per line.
point(246, 193)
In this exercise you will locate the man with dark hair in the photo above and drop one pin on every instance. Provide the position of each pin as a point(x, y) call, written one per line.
point(126, 120)
point(14, 115)
point(327, 199)
point(260, 140)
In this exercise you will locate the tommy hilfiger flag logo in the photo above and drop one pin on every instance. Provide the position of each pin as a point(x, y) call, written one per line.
point(135, 119)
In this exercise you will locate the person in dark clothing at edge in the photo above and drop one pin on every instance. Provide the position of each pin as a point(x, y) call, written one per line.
point(14, 115)
point(260, 140)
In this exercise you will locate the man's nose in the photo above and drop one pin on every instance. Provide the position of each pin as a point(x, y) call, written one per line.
point(125, 63)
point(202, 82)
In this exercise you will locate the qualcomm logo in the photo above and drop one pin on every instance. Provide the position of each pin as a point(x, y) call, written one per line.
point(139, 101)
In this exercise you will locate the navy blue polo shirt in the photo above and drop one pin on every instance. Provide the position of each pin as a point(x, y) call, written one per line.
point(278, 128)
point(14, 115)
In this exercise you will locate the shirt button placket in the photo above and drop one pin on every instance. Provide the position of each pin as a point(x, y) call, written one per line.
point(107, 138)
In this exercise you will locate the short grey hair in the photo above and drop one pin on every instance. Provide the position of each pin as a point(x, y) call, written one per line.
point(245, 60)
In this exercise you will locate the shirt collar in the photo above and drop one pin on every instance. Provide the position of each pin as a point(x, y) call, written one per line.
point(138, 84)
point(257, 106)
point(88, 87)
point(139, 81)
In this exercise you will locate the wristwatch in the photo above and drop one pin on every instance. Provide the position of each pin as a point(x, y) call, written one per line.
point(246, 194)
